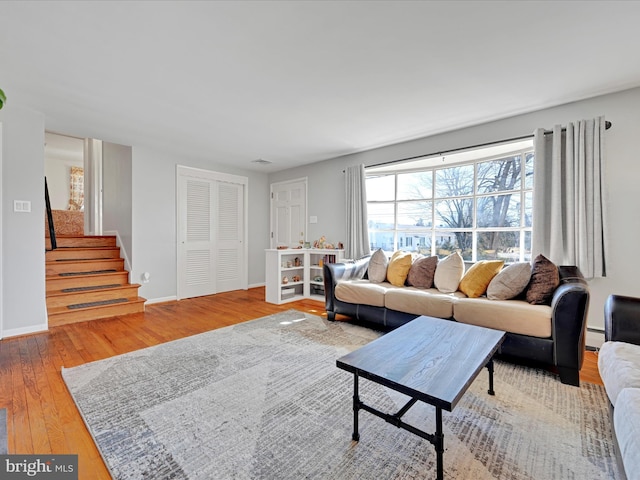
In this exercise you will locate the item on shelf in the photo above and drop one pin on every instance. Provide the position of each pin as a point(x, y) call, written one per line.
point(296, 261)
point(282, 247)
point(285, 279)
point(320, 262)
point(288, 291)
point(307, 244)
point(317, 278)
point(289, 264)
point(295, 278)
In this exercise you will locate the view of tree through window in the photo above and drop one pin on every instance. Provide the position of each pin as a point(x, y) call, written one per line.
point(481, 208)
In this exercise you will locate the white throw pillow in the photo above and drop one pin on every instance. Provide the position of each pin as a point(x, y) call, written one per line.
point(378, 266)
point(449, 273)
point(510, 282)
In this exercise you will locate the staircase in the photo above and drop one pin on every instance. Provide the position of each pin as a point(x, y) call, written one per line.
point(86, 280)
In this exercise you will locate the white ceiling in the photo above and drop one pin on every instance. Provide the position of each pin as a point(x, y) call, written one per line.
point(298, 82)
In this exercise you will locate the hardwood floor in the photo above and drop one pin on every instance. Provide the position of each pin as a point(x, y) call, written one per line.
point(41, 416)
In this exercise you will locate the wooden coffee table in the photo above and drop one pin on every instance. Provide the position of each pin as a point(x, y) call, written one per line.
point(427, 359)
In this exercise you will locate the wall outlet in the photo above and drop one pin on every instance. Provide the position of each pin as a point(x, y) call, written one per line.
point(313, 219)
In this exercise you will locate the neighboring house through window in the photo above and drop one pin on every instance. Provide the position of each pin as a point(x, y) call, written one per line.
point(478, 202)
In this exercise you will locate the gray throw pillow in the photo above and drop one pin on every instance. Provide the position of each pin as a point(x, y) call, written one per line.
point(422, 272)
point(510, 282)
point(378, 266)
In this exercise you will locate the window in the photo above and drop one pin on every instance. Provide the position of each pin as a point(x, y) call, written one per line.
point(479, 203)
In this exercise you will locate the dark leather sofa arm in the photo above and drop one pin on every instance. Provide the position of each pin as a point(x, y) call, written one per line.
point(570, 305)
point(334, 272)
point(622, 319)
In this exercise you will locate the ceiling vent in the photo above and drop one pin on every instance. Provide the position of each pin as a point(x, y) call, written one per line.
point(261, 161)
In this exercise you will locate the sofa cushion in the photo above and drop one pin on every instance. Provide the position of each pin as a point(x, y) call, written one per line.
point(449, 273)
point(429, 302)
point(619, 367)
point(626, 423)
point(377, 271)
point(398, 268)
point(422, 271)
point(475, 282)
point(510, 282)
point(514, 316)
point(362, 291)
point(545, 278)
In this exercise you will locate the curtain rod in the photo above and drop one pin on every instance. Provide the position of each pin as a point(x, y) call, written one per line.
point(607, 126)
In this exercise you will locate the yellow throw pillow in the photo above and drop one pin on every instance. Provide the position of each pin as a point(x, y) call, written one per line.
point(398, 268)
point(477, 279)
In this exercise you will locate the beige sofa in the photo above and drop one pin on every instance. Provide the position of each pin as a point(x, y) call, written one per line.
point(552, 334)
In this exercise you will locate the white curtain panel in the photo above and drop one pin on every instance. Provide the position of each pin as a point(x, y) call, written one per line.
point(569, 213)
point(357, 242)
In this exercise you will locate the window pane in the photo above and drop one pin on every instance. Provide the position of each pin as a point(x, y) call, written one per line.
point(415, 214)
point(528, 169)
point(527, 246)
point(449, 242)
point(415, 186)
point(499, 211)
point(499, 246)
point(454, 181)
point(381, 215)
point(499, 175)
point(456, 213)
point(380, 188)
point(528, 208)
point(383, 240)
point(418, 242)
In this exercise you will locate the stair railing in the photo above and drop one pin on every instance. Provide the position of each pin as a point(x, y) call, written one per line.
point(52, 232)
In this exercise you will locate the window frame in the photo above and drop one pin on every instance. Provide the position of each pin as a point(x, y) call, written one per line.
point(432, 232)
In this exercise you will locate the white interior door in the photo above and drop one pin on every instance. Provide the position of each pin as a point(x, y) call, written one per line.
point(288, 213)
point(212, 250)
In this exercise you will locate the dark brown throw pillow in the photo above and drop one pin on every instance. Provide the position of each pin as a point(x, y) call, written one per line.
point(422, 272)
point(545, 278)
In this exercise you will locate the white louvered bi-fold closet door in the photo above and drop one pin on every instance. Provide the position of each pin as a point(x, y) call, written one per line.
point(229, 235)
point(210, 237)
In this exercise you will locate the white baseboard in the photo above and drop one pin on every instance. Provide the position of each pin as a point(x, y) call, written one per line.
point(123, 252)
point(172, 298)
point(256, 285)
point(595, 337)
point(14, 332)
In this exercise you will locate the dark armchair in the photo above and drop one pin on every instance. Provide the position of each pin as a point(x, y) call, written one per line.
point(622, 319)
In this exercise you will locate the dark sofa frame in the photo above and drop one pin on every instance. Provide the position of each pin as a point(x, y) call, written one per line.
point(564, 350)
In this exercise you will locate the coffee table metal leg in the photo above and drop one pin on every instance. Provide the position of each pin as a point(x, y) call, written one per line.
point(356, 408)
point(490, 368)
point(438, 443)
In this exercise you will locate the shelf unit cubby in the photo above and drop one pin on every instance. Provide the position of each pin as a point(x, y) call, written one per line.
point(296, 273)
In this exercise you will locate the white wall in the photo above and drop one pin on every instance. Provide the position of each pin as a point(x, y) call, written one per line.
point(326, 181)
point(57, 169)
point(154, 219)
point(23, 267)
point(117, 194)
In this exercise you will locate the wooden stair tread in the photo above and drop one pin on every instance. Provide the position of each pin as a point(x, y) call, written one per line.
point(64, 309)
point(92, 289)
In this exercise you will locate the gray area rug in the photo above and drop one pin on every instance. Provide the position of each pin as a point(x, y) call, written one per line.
point(264, 399)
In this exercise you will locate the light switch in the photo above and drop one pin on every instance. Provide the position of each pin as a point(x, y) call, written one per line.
point(22, 206)
point(313, 219)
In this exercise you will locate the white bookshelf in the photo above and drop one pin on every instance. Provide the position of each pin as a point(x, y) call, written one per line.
point(282, 263)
